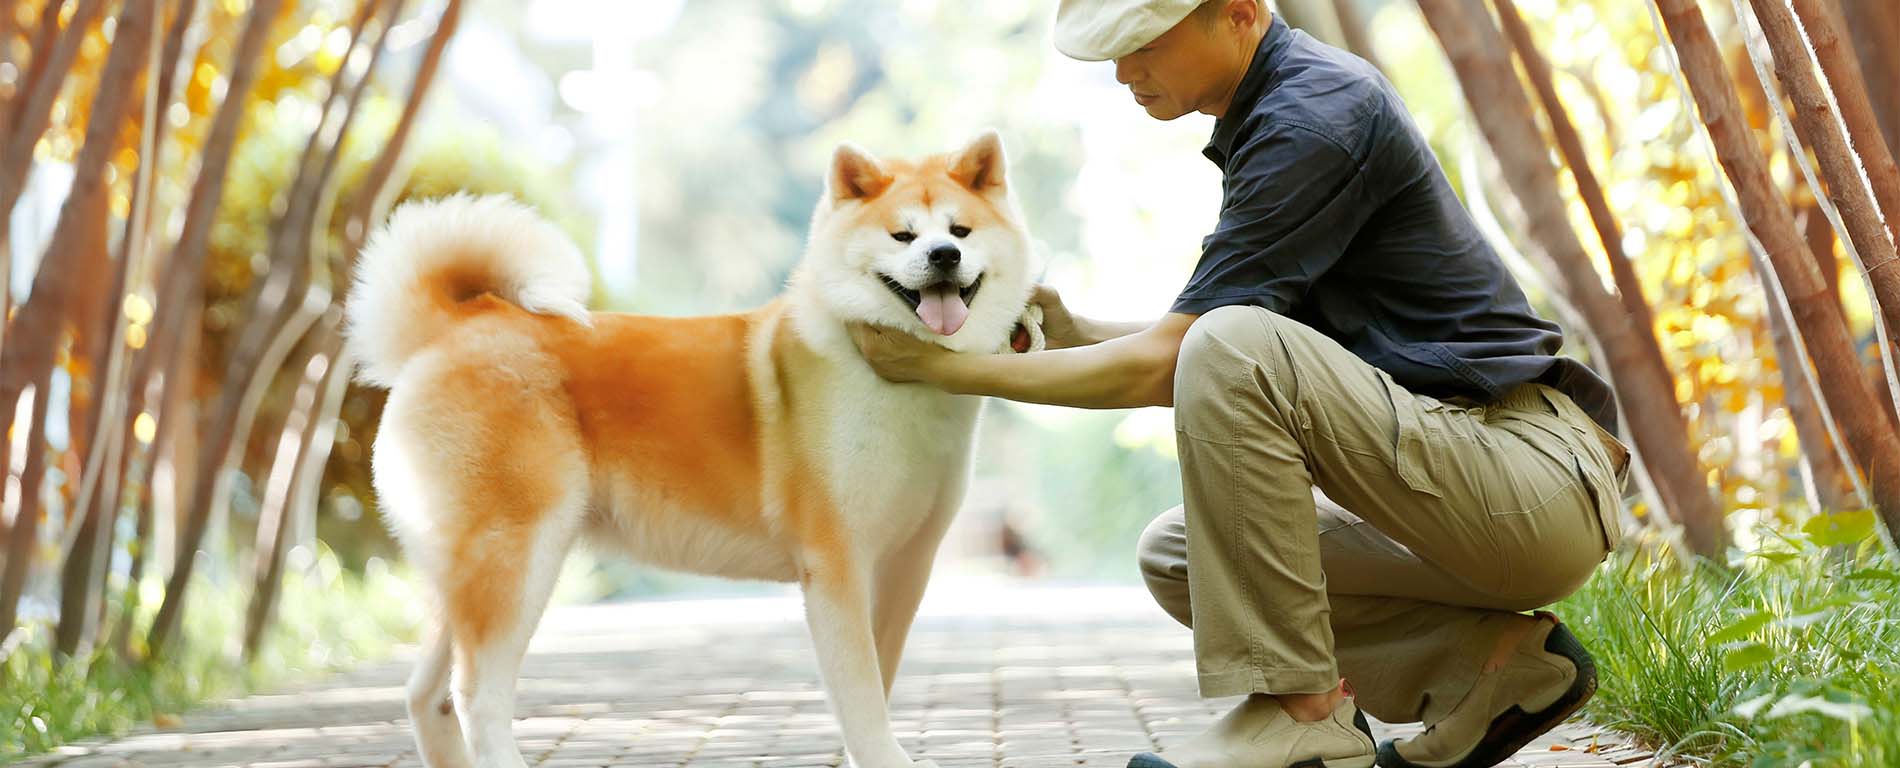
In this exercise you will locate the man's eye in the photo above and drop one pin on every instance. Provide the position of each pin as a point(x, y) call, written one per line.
point(903, 237)
point(958, 230)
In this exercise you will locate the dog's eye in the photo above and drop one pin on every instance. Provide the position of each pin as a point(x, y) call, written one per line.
point(903, 237)
point(959, 231)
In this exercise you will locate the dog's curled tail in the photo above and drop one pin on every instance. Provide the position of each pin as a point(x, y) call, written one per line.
point(431, 257)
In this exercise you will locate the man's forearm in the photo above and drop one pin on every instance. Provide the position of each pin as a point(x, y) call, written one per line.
point(1092, 331)
point(1129, 371)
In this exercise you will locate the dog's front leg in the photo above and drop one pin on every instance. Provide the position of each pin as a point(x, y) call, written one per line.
point(898, 590)
point(838, 610)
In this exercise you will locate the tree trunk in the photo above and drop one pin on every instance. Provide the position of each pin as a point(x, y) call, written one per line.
point(187, 266)
point(26, 521)
point(1352, 28)
point(375, 185)
point(1815, 124)
point(1314, 17)
point(1822, 20)
point(36, 105)
point(77, 248)
point(51, 62)
point(1875, 27)
point(324, 380)
point(82, 576)
point(1628, 288)
point(1504, 115)
point(1875, 445)
point(1834, 486)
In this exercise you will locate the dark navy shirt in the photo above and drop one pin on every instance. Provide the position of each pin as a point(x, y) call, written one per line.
point(1335, 213)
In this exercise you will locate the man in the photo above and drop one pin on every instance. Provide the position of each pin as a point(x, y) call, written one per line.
point(1383, 461)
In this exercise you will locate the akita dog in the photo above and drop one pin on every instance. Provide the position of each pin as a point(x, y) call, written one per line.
point(756, 445)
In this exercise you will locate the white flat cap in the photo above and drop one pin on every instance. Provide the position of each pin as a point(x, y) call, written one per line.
point(1099, 30)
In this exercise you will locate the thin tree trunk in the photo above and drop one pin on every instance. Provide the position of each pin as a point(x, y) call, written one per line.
point(1834, 486)
point(187, 265)
point(1479, 55)
point(51, 62)
point(155, 348)
point(36, 107)
point(45, 34)
point(1875, 27)
point(314, 449)
point(1822, 21)
point(82, 576)
point(292, 472)
point(77, 248)
point(1352, 27)
point(26, 521)
point(370, 197)
point(1815, 122)
point(1875, 445)
point(1314, 17)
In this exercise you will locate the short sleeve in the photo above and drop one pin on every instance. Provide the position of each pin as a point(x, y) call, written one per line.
point(1294, 201)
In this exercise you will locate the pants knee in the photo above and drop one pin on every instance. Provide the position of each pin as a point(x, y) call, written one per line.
point(1161, 554)
point(1220, 359)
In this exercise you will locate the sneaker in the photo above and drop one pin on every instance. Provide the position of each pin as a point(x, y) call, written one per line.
point(1543, 683)
point(1258, 734)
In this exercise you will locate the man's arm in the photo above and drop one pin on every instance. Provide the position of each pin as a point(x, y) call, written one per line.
point(1130, 371)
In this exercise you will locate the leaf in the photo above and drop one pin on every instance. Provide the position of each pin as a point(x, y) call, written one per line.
point(1748, 709)
point(1796, 704)
point(1779, 558)
point(1875, 574)
point(1840, 528)
point(1746, 657)
point(1742, 628)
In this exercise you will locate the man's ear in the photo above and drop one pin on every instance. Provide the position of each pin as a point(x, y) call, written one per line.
point(1244, 14)
point(980, 164)
point(855, 174)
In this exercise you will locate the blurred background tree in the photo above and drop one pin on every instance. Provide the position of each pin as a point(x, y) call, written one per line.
point(180, 437)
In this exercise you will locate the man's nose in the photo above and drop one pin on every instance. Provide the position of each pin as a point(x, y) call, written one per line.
point(1124, 72)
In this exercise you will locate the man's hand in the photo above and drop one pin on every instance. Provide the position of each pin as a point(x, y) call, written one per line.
point(896, 356)
point(1058, 326)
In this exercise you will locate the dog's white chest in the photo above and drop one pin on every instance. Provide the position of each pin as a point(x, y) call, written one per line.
point(898, 454)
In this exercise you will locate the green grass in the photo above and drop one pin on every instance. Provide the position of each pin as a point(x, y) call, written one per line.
point(1789, 654)
point(328, 619)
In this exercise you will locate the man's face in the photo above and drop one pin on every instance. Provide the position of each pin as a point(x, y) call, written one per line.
point(1184, 70)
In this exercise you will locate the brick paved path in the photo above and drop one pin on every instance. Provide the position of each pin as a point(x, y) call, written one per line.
point(994, 676)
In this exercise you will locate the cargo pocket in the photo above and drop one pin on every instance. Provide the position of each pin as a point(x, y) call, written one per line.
point(1594, 466)
point(1417, 466)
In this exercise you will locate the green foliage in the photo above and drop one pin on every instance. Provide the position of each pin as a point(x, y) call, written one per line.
point(1786, 656)
point(328, 619)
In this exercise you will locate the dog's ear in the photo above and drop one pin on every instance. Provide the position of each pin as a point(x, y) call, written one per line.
point(855, 174)
point(980, 164)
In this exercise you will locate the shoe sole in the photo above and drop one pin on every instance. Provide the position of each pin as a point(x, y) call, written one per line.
point(1152, 760)
point(1509, 732)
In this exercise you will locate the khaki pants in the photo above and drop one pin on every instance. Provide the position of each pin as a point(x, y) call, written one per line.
point(1332, 515)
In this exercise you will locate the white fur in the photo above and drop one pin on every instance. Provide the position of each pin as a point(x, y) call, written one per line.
point(389, 314)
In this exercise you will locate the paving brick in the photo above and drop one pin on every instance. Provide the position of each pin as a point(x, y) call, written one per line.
point(1024, 678)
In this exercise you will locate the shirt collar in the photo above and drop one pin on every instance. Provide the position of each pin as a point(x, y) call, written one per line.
point(1253, 85)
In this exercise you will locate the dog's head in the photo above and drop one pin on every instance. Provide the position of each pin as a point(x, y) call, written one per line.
point(934, 246)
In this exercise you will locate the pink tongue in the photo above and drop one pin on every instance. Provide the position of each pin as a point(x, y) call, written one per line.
point(942, 309)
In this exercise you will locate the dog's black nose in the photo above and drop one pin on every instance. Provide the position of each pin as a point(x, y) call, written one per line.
point(945, 256)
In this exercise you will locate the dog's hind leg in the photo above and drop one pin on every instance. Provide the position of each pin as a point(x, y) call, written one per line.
point(431, 714)
point(501, 595)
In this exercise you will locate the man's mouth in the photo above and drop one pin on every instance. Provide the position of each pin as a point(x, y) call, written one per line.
point(942, 306)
